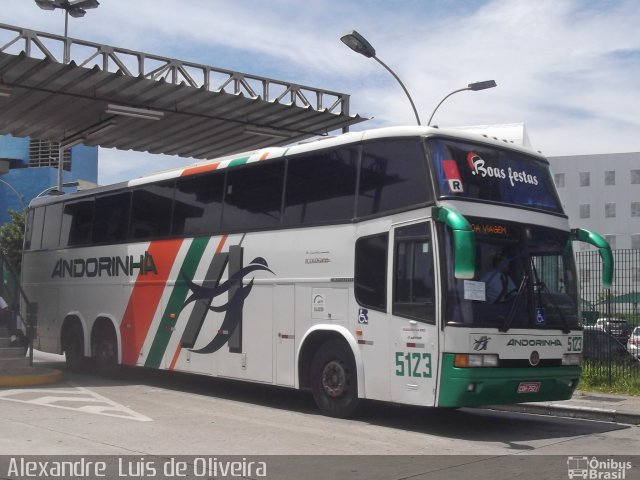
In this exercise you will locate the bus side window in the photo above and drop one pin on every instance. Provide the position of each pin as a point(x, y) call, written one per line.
point(151, 209)
point(371, 271)
point(77, 220)
point(321, 187)
point(36, 229)
point(51, 229)
point(414, 279)
point(111, 218)
point(253, 197)
point(393, 176)
point(198, 205)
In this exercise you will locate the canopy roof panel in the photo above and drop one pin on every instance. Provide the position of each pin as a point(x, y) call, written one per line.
point(73, 91)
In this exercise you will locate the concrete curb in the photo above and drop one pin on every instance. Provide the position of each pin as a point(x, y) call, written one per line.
point(30, 377)
point(572, 411)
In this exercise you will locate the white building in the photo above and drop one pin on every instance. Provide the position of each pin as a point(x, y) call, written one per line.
point(602, 193)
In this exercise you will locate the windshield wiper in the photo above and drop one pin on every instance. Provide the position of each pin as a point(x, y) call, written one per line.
point(514, 306)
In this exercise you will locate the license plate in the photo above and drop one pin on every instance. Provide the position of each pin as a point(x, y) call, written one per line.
point(528, 387)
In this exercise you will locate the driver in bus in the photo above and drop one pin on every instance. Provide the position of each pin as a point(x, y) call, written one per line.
point(498, 283)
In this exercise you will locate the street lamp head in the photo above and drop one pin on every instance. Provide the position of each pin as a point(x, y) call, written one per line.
point(77, 12)
point(75, 8)
point(482, 85)
point(45, 5)
point(358, 44)
point(472, 86)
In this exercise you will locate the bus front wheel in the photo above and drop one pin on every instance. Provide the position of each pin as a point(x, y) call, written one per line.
point(334, 381)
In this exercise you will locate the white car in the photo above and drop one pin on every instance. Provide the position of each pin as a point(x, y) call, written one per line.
point(618, 328)
point(633, 344)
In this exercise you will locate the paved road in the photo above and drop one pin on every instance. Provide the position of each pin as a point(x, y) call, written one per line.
point(148, 413)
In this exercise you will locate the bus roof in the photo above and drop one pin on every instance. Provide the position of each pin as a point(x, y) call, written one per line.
point(277, 152)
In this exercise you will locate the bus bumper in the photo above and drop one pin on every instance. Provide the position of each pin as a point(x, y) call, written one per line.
point(470, 387)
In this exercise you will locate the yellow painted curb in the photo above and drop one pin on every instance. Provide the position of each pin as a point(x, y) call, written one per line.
point(38, 377)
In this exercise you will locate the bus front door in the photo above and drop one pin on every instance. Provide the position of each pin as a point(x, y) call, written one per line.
point(414, 335)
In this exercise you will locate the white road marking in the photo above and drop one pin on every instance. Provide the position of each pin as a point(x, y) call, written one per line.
point(88, 401)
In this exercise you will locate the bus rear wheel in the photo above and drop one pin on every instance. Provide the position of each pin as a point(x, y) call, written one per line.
point(105, 352)
point(334, 383)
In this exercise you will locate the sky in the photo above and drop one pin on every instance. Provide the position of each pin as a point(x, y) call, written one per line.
point(568, 69)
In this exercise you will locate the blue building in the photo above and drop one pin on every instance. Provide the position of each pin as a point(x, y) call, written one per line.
point(30, 166)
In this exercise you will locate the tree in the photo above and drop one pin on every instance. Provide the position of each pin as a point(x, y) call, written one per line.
point(12, 239)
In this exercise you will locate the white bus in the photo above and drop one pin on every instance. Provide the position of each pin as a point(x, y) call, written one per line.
point(360, 267)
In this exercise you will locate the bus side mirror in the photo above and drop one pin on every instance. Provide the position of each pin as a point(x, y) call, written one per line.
point(464, 241)
point(598, 241)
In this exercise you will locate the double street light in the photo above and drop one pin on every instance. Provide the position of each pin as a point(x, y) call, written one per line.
point(75, 8)
point(472, 86)
point(359, 44)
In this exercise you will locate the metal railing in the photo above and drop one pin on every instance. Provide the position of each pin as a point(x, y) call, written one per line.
point(82, 53)
point(606, 351)
point(15, 296)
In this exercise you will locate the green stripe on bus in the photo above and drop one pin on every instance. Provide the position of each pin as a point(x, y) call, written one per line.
point(238, 161)
point(174, 305)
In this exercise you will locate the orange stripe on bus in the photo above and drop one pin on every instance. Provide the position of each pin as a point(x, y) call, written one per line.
point(175, 357)
point(144, 300)
point(200, 169)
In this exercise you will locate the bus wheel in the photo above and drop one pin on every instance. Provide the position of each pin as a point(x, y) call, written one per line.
point(73, 346)
point(105, 353)
point(334, 381)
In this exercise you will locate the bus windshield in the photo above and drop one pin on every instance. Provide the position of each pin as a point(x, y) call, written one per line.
point(525, 278)
point(481, 172)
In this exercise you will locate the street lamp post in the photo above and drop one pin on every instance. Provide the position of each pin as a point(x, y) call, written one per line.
point(359, 44)
point(472, 86)
point(75, 8)
point(18, 196)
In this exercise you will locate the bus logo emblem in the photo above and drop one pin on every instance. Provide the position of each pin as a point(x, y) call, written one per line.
point(231, 329)
point(534, 359)
point(481, 343)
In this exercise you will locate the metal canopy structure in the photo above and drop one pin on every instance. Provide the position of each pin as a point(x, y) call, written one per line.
point(73, 91)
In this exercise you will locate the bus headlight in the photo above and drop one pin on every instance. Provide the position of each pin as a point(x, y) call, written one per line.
point(465, 360)
point(571, 359)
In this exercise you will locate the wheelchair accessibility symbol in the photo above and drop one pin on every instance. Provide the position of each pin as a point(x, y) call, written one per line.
point(363, 316)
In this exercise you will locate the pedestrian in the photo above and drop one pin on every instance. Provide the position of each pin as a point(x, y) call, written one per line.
point(6, 321)
point(4, 309)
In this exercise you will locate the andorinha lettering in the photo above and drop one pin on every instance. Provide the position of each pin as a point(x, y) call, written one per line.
point(104, 266)
point(534, 342)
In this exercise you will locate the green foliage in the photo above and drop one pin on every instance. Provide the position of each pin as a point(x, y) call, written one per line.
point(12, 239)
point(598, 381)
